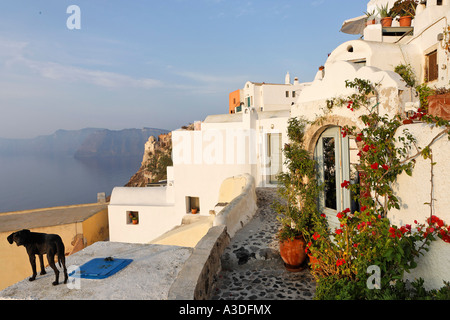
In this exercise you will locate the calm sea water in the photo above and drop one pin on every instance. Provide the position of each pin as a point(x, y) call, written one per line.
point(31, 182)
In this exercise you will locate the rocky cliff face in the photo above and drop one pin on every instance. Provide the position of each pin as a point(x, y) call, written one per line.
point(157, 157)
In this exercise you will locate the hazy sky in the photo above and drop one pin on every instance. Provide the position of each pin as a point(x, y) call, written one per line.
point(148, 63)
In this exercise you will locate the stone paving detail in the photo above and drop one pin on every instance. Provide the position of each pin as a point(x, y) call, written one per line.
point(251, 265)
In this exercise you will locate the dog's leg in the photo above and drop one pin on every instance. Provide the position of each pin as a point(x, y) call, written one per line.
point(41, 259)
point(51, 262)
point(33, 266)
point(63, 261)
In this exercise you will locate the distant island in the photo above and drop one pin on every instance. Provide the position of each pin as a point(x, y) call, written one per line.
point(83, 143)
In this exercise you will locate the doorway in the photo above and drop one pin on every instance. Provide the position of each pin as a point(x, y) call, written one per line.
point(333, 167)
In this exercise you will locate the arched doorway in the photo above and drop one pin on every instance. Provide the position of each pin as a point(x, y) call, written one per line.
point(333, 167)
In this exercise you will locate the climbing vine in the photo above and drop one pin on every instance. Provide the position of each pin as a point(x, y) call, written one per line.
point(366, 237)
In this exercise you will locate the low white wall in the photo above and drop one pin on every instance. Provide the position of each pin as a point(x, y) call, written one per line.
point(240, 210)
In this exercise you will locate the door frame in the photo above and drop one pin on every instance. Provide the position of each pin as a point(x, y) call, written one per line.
point(342, 166)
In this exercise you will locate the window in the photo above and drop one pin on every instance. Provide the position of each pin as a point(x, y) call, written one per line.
point(192, 203)
point(132, 217)
point(287, 94)
point(431, 66)
point(439, 2)
point(293, 94)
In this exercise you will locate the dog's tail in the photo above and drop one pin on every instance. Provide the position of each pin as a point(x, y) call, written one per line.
point(60, 251)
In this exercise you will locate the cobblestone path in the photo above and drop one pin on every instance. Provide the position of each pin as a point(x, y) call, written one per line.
point(251, 265)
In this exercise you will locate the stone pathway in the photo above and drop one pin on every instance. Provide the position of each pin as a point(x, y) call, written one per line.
point(251, 265)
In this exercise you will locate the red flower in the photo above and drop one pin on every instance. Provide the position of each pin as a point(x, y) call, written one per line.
point(345, 184)
point(385, 167)
point(338, 231)
point(340, 215)
point(359, 137)
point(316, 236)
point(340, 262)
point(363, 208)
point(374, 166)
point(366, 148)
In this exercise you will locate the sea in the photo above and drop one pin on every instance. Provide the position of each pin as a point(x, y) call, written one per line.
point(32, 182)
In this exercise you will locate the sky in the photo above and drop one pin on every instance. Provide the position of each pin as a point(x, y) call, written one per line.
point(152, 63)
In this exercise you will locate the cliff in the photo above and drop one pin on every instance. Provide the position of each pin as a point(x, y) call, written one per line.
point(157, 157)
point(84, 143)
point(110, 143)
point(60, 143)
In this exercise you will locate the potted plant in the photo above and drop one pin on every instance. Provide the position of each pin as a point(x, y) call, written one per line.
point(385, 15)
point(405, 10)
point(370, 17)
point(297, 210)
point(439, 103)
point(194, 210)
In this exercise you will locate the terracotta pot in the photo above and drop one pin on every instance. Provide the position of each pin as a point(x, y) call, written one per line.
point(370, 22)
point(134, 221)
point(386, 22)
point(439, 105)
point(293, 253)
point(407, 121)
point(194, 210)
point(405, 21)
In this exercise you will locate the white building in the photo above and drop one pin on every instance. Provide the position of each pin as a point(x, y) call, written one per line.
point(250, 138)
point(220, 147)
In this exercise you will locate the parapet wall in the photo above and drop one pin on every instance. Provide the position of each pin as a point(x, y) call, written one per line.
point(241, 209)
point(195, 280)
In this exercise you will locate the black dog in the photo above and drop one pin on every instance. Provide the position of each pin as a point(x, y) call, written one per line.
point(40, 244)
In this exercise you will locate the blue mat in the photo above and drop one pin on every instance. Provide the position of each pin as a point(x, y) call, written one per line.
point(100, 268)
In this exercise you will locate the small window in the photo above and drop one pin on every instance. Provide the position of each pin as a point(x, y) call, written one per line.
point(439, 2)
point(293, 94)
point(287, 94)
point(431, 66)
point(192, 205)
point(132, 217)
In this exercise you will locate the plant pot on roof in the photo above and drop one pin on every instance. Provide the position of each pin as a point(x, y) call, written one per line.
point(385, 15)
point(439, 103)
point(370, 17)
point(405, 10)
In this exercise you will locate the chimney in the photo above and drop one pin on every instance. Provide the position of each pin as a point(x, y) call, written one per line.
point(287, 79)
point(295, 80)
